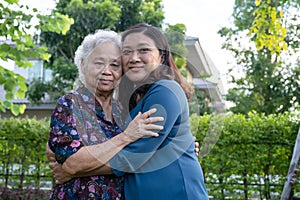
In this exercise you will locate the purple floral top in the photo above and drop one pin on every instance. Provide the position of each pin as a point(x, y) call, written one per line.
point(79, 120)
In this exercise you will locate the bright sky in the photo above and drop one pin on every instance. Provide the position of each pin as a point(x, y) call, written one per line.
point(203, 19)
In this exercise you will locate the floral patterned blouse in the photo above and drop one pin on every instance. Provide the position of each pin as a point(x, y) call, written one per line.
point(79, 120)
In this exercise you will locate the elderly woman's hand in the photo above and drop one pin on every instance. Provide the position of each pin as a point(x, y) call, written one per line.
point(143, 125)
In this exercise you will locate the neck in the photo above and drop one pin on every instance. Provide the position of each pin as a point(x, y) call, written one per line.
point(105, 102)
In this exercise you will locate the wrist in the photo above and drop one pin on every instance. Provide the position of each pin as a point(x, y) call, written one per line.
point(125, 137)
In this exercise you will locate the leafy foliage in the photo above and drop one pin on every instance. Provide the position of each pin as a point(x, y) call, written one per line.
point(199, 103)
point(137, 11)
point(251, 157)
point(245, 156)
point(15, 28)
point(176, 36)
point(23, 160)
point(88, 17)
point(264, 37)
point(267, 28)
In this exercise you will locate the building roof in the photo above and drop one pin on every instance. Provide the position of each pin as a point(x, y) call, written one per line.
point(201, 65)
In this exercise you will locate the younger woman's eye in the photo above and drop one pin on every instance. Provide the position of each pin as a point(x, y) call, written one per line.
point(144, 50)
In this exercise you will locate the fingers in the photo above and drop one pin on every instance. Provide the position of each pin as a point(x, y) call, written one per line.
point(197, 148)
point(146, 116)
point(60, 181)
point(58, 173)
point(144, 119)
point(151, 120)
point(52, 165)
point(151, 133)
point(148, 124)
point(50, 154)
point(153, 127)
point(51, 158)
point(143, 125)
point(148, 113)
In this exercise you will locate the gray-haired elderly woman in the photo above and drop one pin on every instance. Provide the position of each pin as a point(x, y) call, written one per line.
point(84, 122)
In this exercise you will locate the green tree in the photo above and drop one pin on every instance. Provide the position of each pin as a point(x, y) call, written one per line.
point(88, 17)
point(136, 11)
point(176, 36)
point(265, 35)
point(18, 45)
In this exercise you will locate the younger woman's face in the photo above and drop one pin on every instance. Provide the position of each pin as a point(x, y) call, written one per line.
point(139, 56)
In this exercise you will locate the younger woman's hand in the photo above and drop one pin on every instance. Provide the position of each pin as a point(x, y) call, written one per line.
point(59, 174)
point(196, 147)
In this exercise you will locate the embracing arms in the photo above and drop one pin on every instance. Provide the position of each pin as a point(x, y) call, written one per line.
point(92, 160)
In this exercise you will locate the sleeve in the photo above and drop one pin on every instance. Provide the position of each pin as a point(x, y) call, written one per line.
point(63, 138)
point(150, 153)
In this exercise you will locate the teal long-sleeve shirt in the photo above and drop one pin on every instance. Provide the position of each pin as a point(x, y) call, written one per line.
point(163, 167)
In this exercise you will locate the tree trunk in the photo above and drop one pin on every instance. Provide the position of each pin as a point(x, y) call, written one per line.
point(287, 189)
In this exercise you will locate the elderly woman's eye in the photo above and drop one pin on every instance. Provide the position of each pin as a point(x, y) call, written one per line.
point(99, 63)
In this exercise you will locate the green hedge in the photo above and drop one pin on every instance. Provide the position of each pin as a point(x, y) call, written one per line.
point(23, 160)
point(243, 157)
point(246, 157)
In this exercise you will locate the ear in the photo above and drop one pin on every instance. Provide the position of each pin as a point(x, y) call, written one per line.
point(82, 66)
point(162, 58)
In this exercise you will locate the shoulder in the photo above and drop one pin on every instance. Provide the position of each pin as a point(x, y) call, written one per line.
point(167, 92)
point(65, 104)
point(167, 82)
point(66, 99)
point(168, 86)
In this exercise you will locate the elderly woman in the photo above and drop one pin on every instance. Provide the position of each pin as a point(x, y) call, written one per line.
point(88, 116)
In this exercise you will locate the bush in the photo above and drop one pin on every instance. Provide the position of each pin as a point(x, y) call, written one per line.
point(242, 156)
point(22, 145)
point(246, 156)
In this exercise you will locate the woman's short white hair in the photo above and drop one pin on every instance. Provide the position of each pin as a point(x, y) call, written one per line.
point(89, 43)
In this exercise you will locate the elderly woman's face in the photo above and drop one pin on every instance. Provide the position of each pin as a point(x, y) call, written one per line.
point(103, 70)
point(139, 56)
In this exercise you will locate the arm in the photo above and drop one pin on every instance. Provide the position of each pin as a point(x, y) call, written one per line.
point(149, 153)
point(97, 156)
point(62, 176)
point(65, 140)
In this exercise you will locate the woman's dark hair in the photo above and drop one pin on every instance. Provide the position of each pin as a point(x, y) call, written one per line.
point(167, 70)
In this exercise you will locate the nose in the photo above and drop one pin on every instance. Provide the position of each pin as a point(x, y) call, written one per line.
point(107, 70)
point(135, 56)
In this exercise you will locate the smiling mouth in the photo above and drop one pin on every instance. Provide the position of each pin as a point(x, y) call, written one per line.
point(135, 68)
